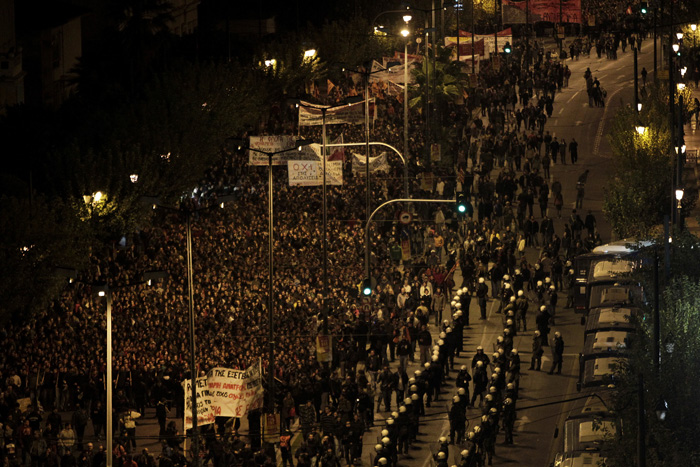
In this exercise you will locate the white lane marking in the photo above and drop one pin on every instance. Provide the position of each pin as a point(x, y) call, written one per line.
point(572, 97)
point(601, 125)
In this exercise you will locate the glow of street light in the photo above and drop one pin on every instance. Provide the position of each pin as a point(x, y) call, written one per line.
point(679, 35)
point(407, 18)
point(681, 86)
point(639, 106)
point(309, 53)
point(405, 32)
point(679, 195)
point(97, 196)
point(693, 27)
point(675, 47)
point(134, 178)
point(641, 129)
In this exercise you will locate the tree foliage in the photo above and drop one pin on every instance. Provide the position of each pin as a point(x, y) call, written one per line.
point(674, 441)
point(639, 191)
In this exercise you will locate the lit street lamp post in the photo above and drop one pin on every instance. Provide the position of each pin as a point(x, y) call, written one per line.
point(191, 315)
point(103, 290)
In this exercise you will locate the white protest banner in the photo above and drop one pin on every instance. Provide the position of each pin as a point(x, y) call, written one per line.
point(269, 144)
point(310, 173)
point(224, 392)
point(204, 414)
point(310, 114)
point(375, 163)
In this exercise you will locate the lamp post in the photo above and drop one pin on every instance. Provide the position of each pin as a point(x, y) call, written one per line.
point(103, 290)
point(405, 33)
point(271, 263)
point(679, 206)
point(154, 202)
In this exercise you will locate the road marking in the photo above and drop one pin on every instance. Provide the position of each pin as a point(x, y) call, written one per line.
point(572, 97)
point(601, 125)
point(561, 110)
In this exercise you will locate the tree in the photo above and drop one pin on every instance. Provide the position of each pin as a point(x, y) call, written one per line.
point(639, 193)
point(674, 441)
point(35, 237)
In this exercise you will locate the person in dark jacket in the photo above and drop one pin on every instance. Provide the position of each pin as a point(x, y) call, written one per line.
point(557, 353)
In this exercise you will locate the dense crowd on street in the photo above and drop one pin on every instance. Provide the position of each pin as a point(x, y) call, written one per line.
point(55, 362)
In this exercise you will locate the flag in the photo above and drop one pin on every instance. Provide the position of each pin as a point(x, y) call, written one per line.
point(337, 153)
point(330, 86)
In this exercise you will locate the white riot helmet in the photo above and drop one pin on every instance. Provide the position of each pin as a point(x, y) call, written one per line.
point(465, 290)
point(520, 293)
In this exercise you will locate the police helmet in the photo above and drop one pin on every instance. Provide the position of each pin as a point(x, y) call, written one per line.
point(417, 373)
point(377, 447)
point(520, 293)
point(448, 330)
point(394, 415)
point(411, 380)
point(479, 364)
point(506, 330)
point(543, 307)
point(443, 335)
point(407, 401)
point(479, 348)
point(463, 367)
point(470, 436)
point(441, 455)
point(514, 351)
point(547, 280)
point(510, 386)
point(461, 391)
point(382, 461)
point(493, 410)
point(414, 397)
point(571, 271)
point(497, 370)
point(507, 285)
point(455, 399)
point(442, 439)
point(551, 287)
point(465, 453)
point(481, 280)
point(539, 283)
point(488, 397)
point(509, 322)
point(517, 271)
point(512, 298)
point(385, 432)
point(465, 290)
point(484, 418)
point(557, 334)
point(402, 409)
point(426, 365)
point(508, 401)
point(435, 359)
point(495, 354)
point(537, 333)
point(390, 421)
point(441, 342)
point(493, 389)
point(454, 303)
point(477, 428)
point(413, 388)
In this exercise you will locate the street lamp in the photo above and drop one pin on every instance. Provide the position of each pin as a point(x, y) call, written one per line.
point(640, 129)
point(103, 290)
point(154, 203)
point(405, 33)
point(270, 246)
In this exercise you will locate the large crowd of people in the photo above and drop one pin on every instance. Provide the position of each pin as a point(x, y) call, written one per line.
point(55, 362)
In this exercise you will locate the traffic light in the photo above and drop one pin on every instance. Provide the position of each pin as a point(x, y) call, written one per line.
point(507, 48)
point(367, 287)
point(461, 203)
point(643, 8)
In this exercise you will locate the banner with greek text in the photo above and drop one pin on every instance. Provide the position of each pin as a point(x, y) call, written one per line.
point(375, 163)
point(310, 173)
point(553, 11)
point(310, 115)
point(224, 392)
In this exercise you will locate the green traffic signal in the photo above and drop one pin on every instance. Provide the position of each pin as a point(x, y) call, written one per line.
point(507, 48)
point(643, 8)
point(367, 287)
point(461, 203)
